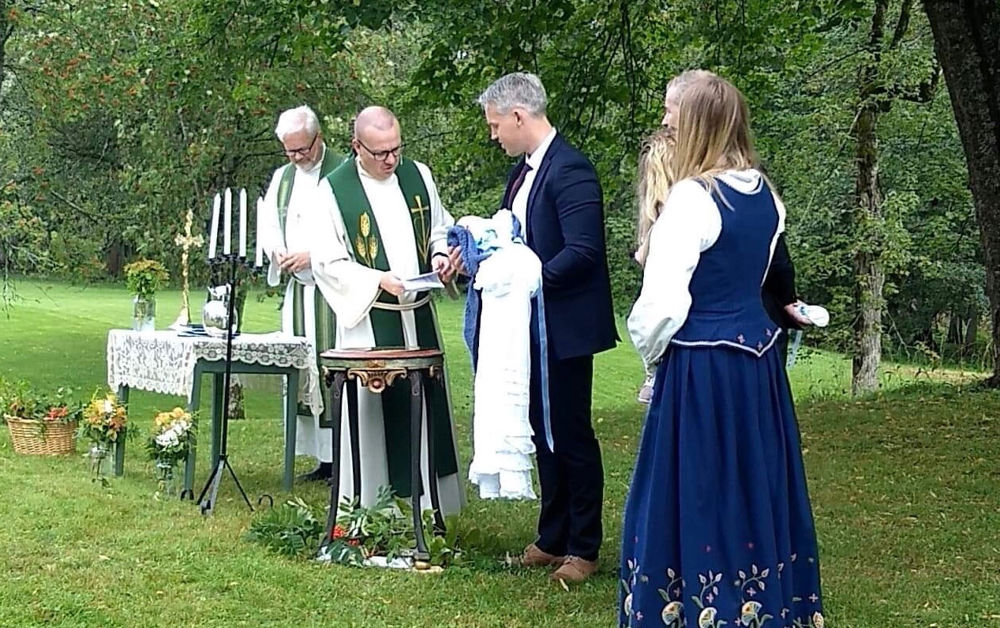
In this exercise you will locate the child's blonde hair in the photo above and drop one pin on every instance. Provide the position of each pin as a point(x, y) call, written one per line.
point(653, 184)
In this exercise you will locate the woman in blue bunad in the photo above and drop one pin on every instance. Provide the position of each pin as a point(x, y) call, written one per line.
point(718, 528)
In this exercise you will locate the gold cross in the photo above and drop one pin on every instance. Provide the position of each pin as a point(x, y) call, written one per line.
point(423, 244)
point(419, 209)
point(186, 241)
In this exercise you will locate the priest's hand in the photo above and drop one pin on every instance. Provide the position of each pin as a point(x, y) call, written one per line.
point(441, 264)
point(294, 262)
point(391, 284)
point(455, 257)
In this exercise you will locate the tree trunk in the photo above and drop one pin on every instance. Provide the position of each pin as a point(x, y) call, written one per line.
point(115, 259)
point(967, 43)
point(868, 221)
point(954, 336)
point(6, 30)
point(971, 331)
point(236, 410)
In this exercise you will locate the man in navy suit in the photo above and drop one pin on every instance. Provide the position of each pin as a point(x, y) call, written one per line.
point(554, 192)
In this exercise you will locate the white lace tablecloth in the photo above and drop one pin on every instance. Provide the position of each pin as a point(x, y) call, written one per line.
point(163, 362)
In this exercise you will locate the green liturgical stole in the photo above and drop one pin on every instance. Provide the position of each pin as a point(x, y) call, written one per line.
point(365, 243)
point(326, 324)
point(330, 163)
point(362, 229)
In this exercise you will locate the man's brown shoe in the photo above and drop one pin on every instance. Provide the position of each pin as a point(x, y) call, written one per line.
point(535, 557)
point(575, 569)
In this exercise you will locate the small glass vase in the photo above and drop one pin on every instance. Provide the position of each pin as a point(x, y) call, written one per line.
point(100, 461)
point(143, 313)
point(165, 477)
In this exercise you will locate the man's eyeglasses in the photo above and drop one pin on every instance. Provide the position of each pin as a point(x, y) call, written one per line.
point(302, 152)
point(382, 155)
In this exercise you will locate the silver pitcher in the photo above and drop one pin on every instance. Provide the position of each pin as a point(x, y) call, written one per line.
point(215, 314)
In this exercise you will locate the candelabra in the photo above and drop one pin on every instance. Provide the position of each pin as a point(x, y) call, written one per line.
point(227, 267)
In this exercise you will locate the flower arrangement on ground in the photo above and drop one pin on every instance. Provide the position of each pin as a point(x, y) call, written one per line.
point(104, 424)
point(383, 529)
point(382, 534)
point(170, 442)
point(379, 535)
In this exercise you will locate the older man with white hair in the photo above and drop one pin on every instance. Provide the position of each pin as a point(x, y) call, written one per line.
point(295, 223)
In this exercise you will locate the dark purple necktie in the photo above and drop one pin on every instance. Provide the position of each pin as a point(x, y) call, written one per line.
point(509, 204)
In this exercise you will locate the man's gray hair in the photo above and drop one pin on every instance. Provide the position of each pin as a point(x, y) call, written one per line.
point(517, 89)
point(297, 119)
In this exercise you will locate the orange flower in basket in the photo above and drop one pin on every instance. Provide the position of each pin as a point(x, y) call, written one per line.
point(57, 413)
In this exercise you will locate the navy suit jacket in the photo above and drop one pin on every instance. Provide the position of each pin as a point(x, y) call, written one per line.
point(565, 217)
point(779, 286)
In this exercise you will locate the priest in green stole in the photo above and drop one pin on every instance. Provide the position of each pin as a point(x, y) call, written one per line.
point(390, 225)
point(292, 226)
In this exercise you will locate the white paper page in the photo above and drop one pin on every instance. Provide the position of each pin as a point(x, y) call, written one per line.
point(428, 281)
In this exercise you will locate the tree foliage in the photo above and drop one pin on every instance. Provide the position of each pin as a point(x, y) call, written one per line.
point(118, 116)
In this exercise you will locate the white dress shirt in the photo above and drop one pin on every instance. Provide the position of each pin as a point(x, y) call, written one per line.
point(534, 161)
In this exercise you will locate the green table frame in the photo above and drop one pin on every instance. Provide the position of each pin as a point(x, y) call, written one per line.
point(217, 369)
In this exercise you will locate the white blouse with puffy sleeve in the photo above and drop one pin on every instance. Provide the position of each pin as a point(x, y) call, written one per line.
point(688, 225)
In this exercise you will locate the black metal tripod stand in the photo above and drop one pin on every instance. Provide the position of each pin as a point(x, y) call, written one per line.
point(207, 499)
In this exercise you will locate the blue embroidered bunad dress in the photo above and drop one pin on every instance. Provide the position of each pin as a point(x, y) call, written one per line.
point(718, 528)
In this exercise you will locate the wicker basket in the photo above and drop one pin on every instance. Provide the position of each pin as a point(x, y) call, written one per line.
point(29, 437)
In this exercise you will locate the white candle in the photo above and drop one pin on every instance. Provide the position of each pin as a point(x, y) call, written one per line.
point(227, 224)
point(213, 235)
point(260, 247)
point(243, 223)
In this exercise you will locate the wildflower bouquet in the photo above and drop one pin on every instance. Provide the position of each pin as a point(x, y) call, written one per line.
point(170, 442)
point(172, 437)
point(104, 421)
point(144, 277)
point(104, 424)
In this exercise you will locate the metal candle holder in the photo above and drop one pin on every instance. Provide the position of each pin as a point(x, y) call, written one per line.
point(230, 264)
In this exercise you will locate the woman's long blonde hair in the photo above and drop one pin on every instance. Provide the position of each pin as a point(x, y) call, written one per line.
point(653, 184)
point(713, 131)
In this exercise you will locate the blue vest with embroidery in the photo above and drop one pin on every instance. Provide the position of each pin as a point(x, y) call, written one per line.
point(726, 308)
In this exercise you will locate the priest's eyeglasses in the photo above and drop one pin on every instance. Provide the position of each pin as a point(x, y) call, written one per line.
point(301, 152)
point(382, 155)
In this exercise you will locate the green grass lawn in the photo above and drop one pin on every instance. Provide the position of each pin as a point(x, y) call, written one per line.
point(903, 488)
